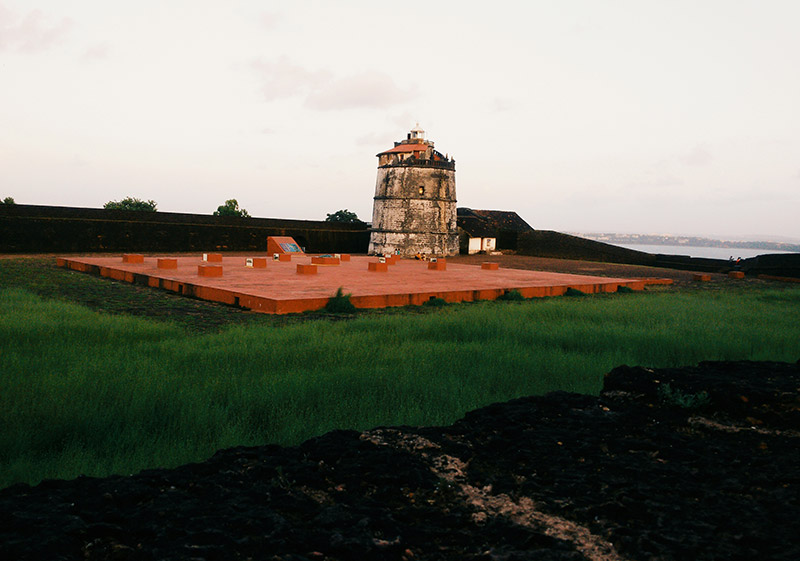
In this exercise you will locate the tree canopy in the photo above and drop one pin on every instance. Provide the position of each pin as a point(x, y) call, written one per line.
point(342, 216)
point(131, 203)
point(8, 201)
point(231, 208)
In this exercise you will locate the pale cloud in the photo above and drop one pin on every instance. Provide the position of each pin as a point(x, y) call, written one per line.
point(31, 33)
point(270, 20)
point(282, 78)
point(502, 105)
point(698, 156)
point(99, 51)
point(379, 140)
point(370, 90)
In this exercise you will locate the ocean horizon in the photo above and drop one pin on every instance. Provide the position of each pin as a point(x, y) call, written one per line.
point(697, 251)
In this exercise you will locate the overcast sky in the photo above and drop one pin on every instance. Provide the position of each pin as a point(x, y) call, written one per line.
point(583, 116)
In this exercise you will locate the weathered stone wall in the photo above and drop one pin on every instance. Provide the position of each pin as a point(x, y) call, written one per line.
point(414, 211)
point(44, 229)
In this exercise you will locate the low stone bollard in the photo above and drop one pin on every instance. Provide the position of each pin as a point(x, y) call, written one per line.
point(306, 269)
point(256, 262)
point(437, 265)
point(132, 258)
point(378, 267)
point(167, 263)
point(701, 278)
point(209, 270)
point(736, 274)
point(325, 260)
point(490, 266)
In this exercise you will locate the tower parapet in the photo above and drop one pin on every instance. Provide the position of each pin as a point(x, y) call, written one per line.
point(415, 200)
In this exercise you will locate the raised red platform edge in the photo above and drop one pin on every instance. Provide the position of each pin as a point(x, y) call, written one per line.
point(391, 290)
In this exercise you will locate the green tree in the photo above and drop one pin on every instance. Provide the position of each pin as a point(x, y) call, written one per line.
point(342, 216)
point(131, 203)
point(231, 208)
point(8, 201)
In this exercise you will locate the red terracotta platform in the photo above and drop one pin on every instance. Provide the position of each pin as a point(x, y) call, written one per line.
point(278, 289)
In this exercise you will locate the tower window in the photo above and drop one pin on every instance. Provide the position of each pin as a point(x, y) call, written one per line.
point(421, 189)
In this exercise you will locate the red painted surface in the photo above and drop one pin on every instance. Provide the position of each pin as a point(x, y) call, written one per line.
point(325, 260)
point(167, 263)
point(377, 267)
point(279, 289)
point(284, 257)
point(306, 269)
point(274, 244)
point(406, 148)
point(736, 274)
point(133, 258)
point(437, 265)
point(701, 278)
point(344, 257)
point(213, 257)
point(259, 262)
point(209, 270)
point(490, 266)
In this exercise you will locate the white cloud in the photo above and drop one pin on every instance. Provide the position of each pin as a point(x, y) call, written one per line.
point(98, 51)
point(270, 20)
point(698, 156)
point(32, 33)
point(282, 78)
point(372, 90)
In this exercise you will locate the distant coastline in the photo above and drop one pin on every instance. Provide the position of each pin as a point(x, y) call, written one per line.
point(705, 252)
point(685, 245)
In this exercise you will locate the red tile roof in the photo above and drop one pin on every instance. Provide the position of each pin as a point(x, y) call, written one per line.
point(406, 148)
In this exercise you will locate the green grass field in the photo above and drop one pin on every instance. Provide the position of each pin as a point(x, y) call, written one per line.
point(91, 392)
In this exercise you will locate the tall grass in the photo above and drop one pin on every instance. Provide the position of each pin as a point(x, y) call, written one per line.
point(89, 393)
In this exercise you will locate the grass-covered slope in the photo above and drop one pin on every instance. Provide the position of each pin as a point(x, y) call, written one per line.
point(88, 392)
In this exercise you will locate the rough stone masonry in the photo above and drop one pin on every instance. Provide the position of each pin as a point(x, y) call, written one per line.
point(415, 200)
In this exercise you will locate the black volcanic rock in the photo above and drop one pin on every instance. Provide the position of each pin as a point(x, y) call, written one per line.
point(628, 475)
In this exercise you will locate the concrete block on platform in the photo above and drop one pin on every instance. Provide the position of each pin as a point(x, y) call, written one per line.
point(378, 267)
point(257, 262)
point(167, 263)
point(285, 257)
point(490, 266)
point(209, 270)
point(132, 258)
point(306, 269)
point(736, 274)
point(701, 277)
point(212, 257)
point(325, 260)
point(438, 265)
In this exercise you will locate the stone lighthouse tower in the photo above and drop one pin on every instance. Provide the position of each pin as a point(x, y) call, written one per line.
point(415, 200)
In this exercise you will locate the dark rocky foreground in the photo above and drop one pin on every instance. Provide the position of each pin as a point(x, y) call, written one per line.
point(628, 475)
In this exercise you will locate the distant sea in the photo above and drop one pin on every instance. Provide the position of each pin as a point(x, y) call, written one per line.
point(708, 252)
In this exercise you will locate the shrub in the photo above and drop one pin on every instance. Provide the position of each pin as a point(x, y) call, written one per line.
point(343, 216)
point(131, 203)
point(231, 208)
point(622, 289)
point(511, 296)
point(435, 302)
point(8, 201)
point(678, 398)
point(574, 292)
point(340, 303)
